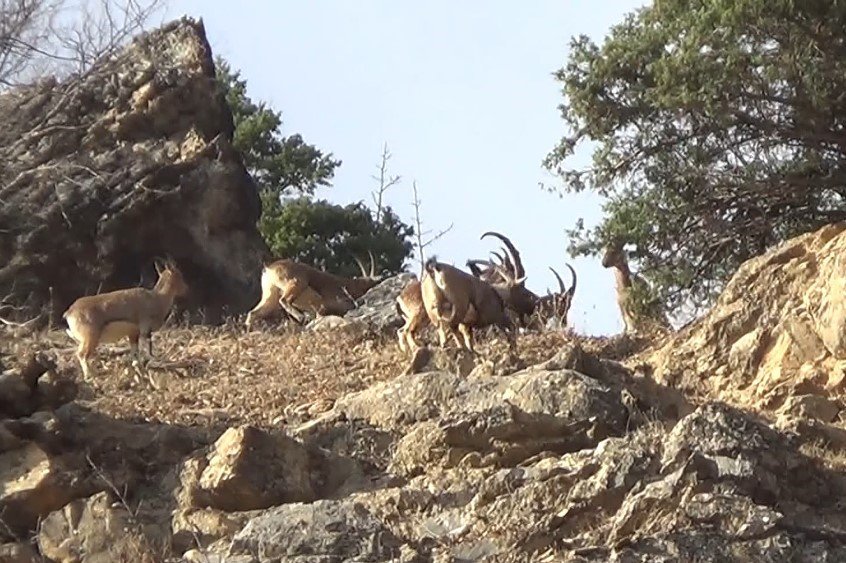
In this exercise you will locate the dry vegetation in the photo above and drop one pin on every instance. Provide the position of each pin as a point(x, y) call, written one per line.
point(276, 374)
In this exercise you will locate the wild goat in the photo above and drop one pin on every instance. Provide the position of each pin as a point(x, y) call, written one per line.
point(531, 309)
point(125, 313)
point(453, 300)
point(556, 305)
point(304, 288)
point(614, 257)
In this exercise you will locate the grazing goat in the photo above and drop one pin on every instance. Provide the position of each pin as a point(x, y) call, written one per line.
point(614, 256)
point(125, 313)
point(305, 288)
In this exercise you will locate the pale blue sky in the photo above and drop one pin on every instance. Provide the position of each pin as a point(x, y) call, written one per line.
point(463, 94)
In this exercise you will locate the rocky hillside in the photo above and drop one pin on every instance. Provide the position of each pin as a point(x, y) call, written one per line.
point(103, 172)
point(324, 444)
point(776, 338)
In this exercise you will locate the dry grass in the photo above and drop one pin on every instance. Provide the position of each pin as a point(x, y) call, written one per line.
point(224, 375)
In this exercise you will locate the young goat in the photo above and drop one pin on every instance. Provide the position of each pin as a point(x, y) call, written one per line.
point(125, 313)
point(615, 257)
point(305, 288)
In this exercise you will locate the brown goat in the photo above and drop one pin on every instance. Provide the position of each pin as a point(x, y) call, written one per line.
point(530, 308)
point(556, 305)
point(453, 301)
point(304, 288)
point(614, 257)
point(125, 313)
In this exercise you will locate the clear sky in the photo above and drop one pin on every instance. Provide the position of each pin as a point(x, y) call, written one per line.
point(462, 93)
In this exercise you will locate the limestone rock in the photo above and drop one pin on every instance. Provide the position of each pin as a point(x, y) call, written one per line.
point(563, 394)
point(252, 469)
point(131, 161)
point(777, 329)
point(808, 407)
point(198, 556)
point(204, 526)
point(84, 529)
point(16, 397)
point(377, 308)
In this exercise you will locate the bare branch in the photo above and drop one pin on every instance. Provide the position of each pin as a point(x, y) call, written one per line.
point(421, 243)
point(386, 181)
point(42, 37)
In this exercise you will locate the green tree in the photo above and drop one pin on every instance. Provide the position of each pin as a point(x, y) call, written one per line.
point(279, 165)
point(719, 131)
point(331, 236)
point(287, 171)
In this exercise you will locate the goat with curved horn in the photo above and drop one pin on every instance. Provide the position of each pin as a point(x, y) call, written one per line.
point(519, 271)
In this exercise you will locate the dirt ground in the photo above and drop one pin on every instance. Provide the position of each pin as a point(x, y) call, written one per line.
point(225, 375)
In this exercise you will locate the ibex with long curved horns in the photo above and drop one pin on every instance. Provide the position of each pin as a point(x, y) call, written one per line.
point(530, 308)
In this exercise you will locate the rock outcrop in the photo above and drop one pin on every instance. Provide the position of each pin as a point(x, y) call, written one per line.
point(103, 172)
point(776, 337)
point(553, 464)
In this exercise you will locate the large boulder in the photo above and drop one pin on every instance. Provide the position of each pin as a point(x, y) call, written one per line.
point(777, 330)
point(251, 469)
point(105, 171)
point(32, 484)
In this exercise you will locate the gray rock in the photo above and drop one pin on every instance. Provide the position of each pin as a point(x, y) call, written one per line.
point(377, 308)
point(324, 531)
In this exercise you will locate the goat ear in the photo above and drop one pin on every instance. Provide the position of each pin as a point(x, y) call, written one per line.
point(157, 263)
point(520, 281)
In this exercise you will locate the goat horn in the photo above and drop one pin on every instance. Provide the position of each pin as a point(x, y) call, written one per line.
point(572, 290)
point(474, 266)
point(372, 265)
point(360, 266)
point(519, 271)
point(508, 263)
point(561, 287)
point(506, 275)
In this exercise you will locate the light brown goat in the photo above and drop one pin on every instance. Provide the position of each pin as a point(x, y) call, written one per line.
point(305, 288)
point(455, 299)
point(454, 302)
point(126, 313)
point(614, 257)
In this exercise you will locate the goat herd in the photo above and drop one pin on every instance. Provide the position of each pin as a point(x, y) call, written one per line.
point(492, 294)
